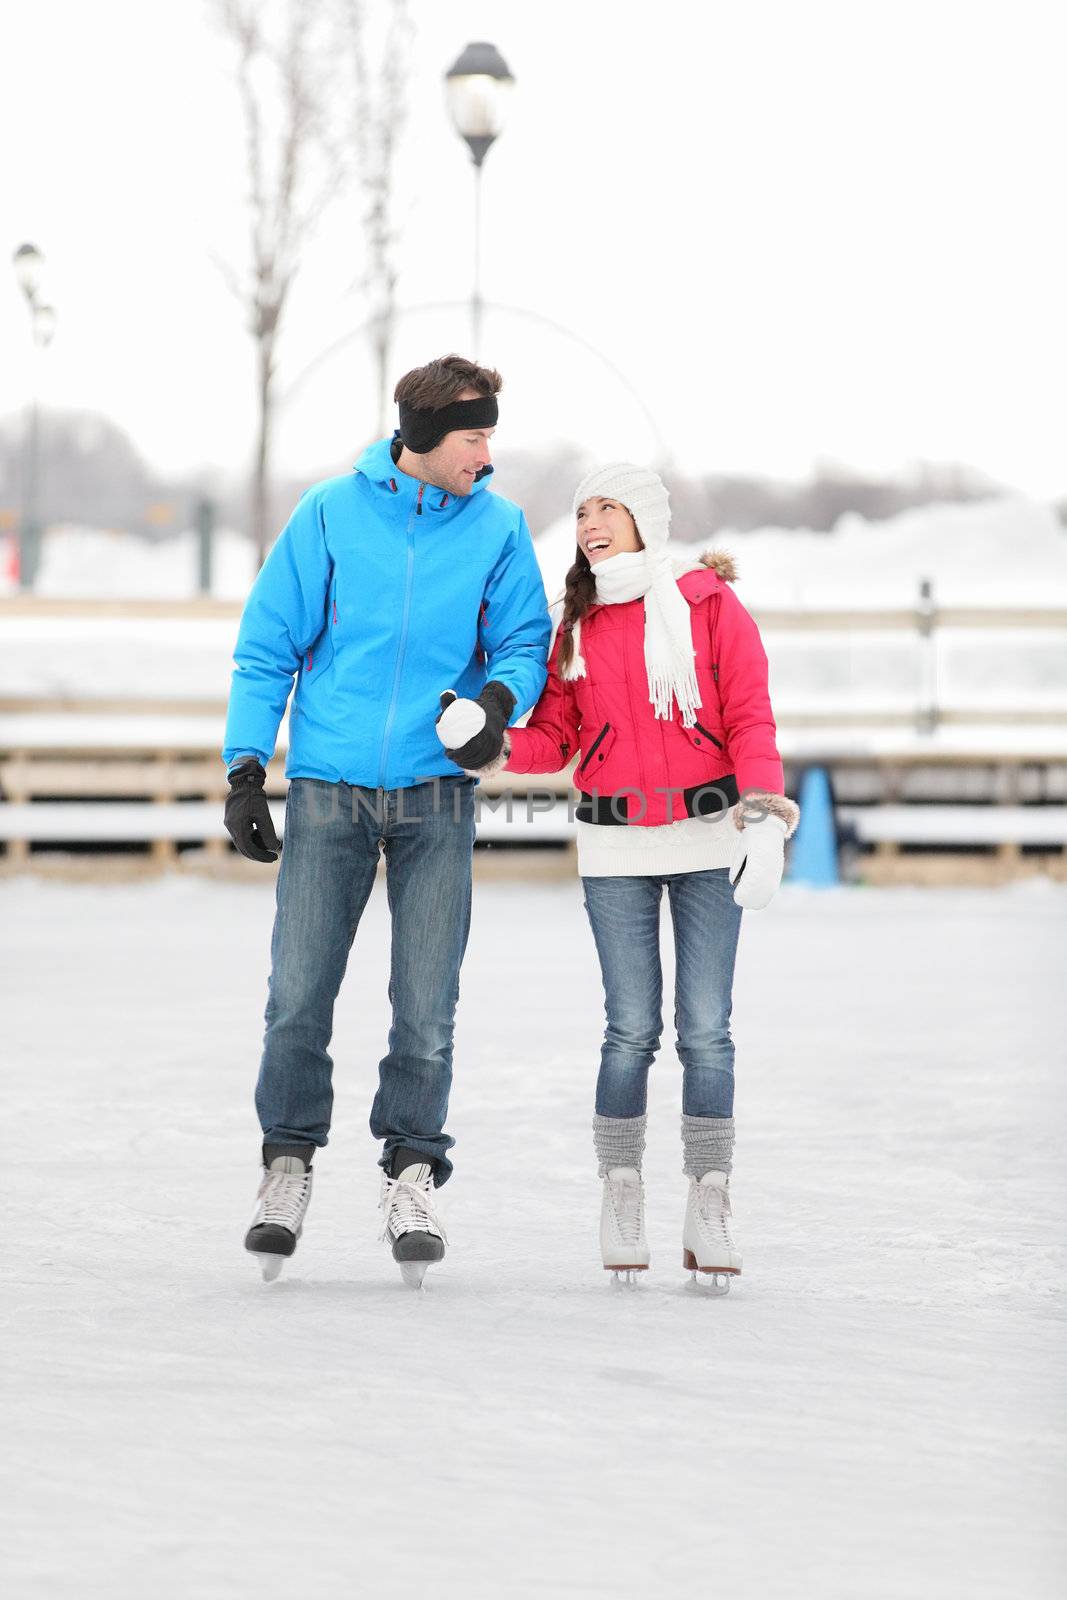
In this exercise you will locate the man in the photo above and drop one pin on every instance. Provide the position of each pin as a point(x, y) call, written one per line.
point(388, 586)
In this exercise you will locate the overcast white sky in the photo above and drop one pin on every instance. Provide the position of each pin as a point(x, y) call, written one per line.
point(802, 231)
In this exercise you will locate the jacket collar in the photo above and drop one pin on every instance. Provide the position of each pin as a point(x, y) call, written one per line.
point(378, 464)
point(696, 586)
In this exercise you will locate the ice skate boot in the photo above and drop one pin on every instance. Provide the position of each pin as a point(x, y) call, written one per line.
point(281, 1204)
point(410, 1224)
point(623, 1245)
point(708, 1246)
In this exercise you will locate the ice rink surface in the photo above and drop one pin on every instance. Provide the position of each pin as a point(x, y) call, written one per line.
point(875, 1411)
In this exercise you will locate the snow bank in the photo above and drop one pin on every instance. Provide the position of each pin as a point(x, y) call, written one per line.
point(1008, 552)
point(97, 563)
point(998, 552)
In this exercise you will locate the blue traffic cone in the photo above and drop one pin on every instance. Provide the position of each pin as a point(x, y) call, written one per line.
point(813, 857)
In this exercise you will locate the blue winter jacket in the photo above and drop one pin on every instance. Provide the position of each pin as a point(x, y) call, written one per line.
point(381, 593)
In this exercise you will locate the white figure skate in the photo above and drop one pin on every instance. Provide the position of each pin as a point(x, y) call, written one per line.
point(623, 1244)
point(708, 1246)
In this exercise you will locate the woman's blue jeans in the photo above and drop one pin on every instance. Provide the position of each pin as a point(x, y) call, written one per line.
point(334, 834)
point(625, 914)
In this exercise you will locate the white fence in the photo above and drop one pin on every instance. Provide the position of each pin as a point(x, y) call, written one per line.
point(111, 718)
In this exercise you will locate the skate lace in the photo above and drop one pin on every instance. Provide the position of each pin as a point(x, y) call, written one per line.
point(408, 1208)
point(626, 1203)
point(282, 1198)
point(713, 1208)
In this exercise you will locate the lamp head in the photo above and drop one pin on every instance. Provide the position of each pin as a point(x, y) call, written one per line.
point(478, 86)
point(29, 267)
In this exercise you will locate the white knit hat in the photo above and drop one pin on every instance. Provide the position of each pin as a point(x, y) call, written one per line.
point(638, 489)
point(650, 574)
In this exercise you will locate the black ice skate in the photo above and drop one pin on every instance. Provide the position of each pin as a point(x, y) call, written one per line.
point(409, 1222)
point(281, 1204)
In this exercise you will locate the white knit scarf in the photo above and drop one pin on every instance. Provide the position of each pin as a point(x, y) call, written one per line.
point(669, 652)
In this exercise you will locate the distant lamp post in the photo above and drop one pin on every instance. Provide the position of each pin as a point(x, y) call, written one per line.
point(478, 87)
point(205, 516)
point(29, 270)
point(926, 620)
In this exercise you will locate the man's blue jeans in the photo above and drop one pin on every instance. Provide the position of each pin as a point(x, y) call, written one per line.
point(333, 837)
point(624, 914)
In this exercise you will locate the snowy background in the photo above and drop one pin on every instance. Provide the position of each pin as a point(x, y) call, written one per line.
point(998, 552)
point(875, 1411)
point(993, 556)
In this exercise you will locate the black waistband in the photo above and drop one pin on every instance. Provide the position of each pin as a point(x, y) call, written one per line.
point(702, 800)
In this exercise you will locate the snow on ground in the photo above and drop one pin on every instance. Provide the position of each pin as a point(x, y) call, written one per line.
point(1006, 552)
point(874, 1412)
point(993, 553)
point(108, 563)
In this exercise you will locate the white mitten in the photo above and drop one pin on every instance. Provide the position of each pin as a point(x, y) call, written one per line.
point(459, 722)
point(759, 856)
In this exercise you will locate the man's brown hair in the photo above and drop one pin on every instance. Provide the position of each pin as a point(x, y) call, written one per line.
point(438, 383)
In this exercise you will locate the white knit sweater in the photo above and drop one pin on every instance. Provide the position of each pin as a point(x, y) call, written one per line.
point(696, 844)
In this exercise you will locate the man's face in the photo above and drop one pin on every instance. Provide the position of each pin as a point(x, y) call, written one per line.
point(454, 464)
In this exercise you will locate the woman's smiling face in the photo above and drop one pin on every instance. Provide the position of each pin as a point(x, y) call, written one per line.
point(605, 528)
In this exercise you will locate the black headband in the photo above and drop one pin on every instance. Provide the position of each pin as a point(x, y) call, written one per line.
point(422, 431)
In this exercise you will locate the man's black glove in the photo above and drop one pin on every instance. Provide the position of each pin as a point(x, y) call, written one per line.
point(472, 731)
point(248, 819)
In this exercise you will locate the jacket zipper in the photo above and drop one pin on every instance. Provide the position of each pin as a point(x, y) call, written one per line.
point(708, 735)
point(630, 697)
point(565, 744)
point(401, 649)
point(594, 746)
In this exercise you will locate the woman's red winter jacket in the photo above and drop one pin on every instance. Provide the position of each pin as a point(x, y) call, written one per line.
point(664, 771)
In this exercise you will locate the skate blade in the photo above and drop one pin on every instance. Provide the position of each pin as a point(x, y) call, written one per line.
point(624, 1277)
point(711, 1283)
point(270, 1265)
point(413, 1272)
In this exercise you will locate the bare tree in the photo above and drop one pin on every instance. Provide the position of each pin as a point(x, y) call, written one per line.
point(378, 130)
point(311, 121)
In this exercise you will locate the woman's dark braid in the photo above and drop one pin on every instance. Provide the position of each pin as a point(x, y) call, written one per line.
point(578, 595)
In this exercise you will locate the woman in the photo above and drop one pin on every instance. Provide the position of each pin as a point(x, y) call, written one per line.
point(658, 680)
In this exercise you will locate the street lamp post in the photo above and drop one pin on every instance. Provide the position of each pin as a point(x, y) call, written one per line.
point(478, 85)
point(29, 267)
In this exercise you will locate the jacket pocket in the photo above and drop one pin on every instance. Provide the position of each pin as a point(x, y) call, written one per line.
point(597, 751)
point(703, 738)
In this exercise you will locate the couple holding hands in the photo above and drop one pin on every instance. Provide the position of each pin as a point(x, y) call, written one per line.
point(405, 600)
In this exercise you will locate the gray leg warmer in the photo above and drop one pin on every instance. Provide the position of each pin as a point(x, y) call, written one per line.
point(708, 1145)
point(619, 1141)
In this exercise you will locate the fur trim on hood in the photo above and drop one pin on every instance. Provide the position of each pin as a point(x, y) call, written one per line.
point(722, 562)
